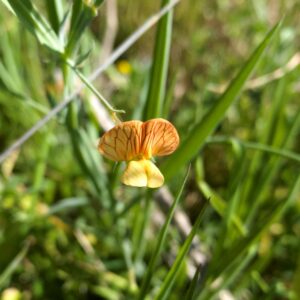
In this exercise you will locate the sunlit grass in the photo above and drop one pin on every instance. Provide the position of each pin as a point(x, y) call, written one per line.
point(70, 230)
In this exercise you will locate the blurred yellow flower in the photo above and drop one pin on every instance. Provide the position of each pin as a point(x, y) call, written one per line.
point(124, 67)
point(11, 294)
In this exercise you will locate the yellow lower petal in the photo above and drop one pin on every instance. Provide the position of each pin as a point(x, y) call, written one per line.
point(134, 174)
point(142, 173)
point(154, 176)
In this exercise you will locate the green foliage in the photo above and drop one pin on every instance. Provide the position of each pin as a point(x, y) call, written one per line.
point(29, 15)
point(70, 230)
point(157, 85)
point(160, 243)
point(194, 140)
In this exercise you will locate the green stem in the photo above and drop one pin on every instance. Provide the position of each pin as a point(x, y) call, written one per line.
point(93, 90)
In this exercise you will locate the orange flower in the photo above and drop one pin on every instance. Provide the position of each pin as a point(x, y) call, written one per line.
point(136, 143)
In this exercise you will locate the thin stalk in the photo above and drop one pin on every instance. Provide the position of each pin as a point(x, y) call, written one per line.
point(141, 225)
point(95, 92)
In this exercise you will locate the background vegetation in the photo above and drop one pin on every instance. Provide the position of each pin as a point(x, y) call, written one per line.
point(70, 230)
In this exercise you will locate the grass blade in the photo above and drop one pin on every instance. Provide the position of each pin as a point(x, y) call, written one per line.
point(241, 246)
point(13, 265)
point(233, 274)
point(159, 69)
point(67, 204)
point(270, 169)
point(173, 273)
point(230, 256)
point(160, 242)
point(36, 23)
point(193, 285)
point(55, 14)
point(216, 201)
point(195, 139)
point(82, 14)
point(284, 153)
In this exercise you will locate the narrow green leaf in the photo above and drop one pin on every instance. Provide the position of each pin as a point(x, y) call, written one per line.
point(232, 274)
point(82, 57)
point(82, 14)
point(5, 275)
point(296, 280)
point(35, 23)
point(193, 142)
point(134, 201)
point(273, 133)
point(216, 202)
point(140, 225)
point(220, 206)
point(6, 3)
point(66, 205)
point(229, 257)
point(193, 285)
point(41, 163)
point(89, 85)
point(169, 97)
point(8, 81)
point(257, 146)
point(159, 68)
point(233, 201)
point(160, 242)
point(11, 60)
point(128, 257)
point(260, 281)
point(107, 293)
point(173, 273)
point(90, 162)
point(268, 172)
point(76, 8)
point(55, 14)
point(93, 163)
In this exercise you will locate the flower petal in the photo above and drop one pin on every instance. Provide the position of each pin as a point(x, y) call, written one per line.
point(154, 177)
point(159, 138)
point(123, 142)
point(142, 173)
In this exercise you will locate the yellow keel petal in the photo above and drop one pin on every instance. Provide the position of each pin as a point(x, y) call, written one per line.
point(142, 173)
point(134, 174)
point(154, 177)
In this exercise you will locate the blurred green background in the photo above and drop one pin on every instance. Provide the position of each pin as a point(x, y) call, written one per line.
point(70, 230)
